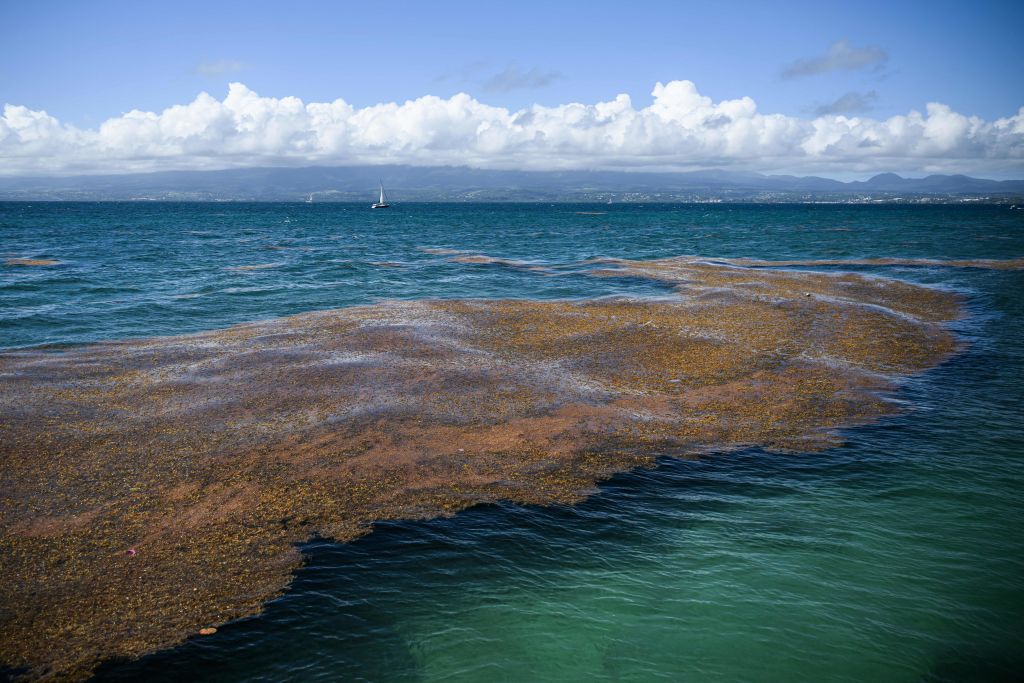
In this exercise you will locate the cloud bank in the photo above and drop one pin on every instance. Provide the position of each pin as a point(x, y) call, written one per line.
point(679, 130)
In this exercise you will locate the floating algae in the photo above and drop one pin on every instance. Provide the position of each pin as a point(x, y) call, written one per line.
point(987, 264)
point(211, 455)
point(484, 260)
point(31, 262)
point(257, 266)
point(442, 251)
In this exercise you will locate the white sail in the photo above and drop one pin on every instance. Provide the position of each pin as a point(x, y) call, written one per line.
point(382, 203)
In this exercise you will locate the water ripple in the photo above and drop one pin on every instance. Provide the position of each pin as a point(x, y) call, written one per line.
point(895, 558)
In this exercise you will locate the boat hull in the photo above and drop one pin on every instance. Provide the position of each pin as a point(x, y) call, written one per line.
point(381, 206)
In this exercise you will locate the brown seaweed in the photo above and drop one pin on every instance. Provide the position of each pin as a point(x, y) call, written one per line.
point(152, 489)
point(31, 262)
point(985, 264)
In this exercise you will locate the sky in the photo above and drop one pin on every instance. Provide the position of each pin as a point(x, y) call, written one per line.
point(837, 89)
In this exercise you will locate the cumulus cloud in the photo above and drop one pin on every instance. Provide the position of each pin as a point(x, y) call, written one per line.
point(221, 67)
point(512, 78)
point(679, 129)
point(841, 56)
point(850, 103)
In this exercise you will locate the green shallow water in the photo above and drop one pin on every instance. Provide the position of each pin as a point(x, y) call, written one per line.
point(897, 557)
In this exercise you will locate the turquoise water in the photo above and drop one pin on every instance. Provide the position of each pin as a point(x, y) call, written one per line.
point(897, 557)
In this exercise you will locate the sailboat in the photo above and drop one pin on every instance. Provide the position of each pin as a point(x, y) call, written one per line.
point(383, 203)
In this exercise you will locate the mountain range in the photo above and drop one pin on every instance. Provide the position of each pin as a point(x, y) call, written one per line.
point(412, 183)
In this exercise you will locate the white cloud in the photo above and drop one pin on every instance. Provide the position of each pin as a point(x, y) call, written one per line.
point(680, 129)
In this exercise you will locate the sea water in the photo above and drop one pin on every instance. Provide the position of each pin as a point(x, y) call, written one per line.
point(896, 557)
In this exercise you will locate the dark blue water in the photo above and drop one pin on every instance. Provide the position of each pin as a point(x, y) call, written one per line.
point(897, 557)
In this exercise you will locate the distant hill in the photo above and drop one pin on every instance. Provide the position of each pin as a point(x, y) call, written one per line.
point(410, 183)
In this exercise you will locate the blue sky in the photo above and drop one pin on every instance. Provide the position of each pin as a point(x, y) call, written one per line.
point(85, 62)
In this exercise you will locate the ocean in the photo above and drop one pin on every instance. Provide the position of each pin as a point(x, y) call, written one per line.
point(895, 556)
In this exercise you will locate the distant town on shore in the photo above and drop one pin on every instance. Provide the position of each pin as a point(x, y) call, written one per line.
point(462, 184)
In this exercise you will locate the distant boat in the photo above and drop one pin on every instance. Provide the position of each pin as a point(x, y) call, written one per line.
point(309, 199)
point(383, 203)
